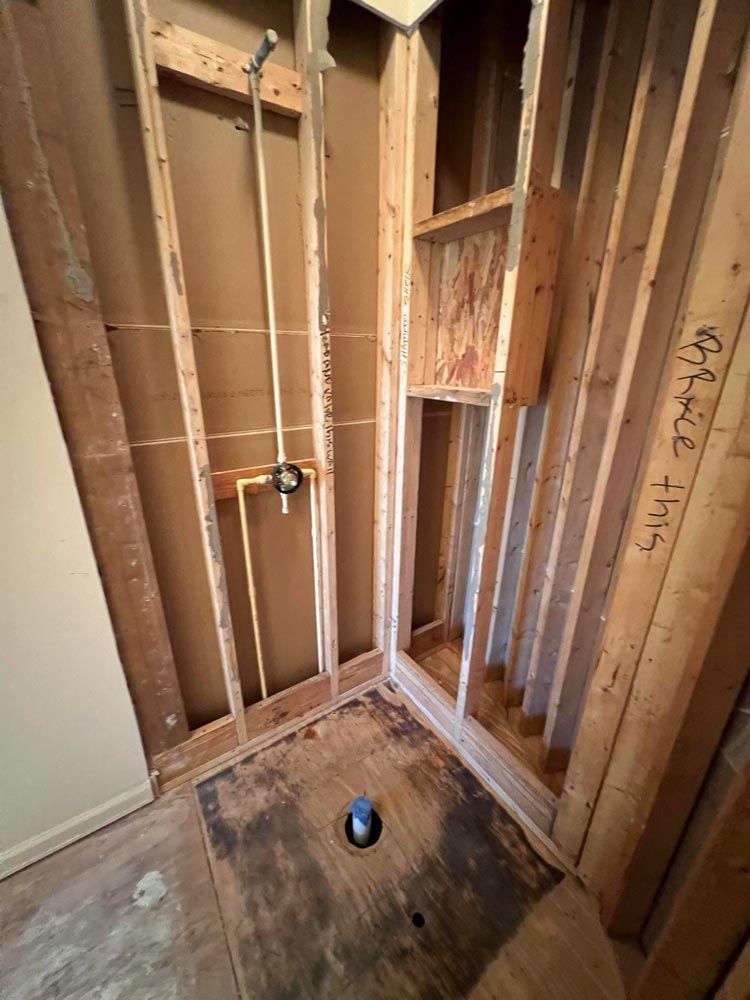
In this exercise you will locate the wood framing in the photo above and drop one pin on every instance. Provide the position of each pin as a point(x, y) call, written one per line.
point(556, 682)
point(521, 790)
point(410, 442)
point(165, 225)
point(392, 176)
point(225, 482)
point(362, 669)
point(685, 615)
point(41, 199)
point(734, 986)
point(420, 85)
point(713, 699)
point(710, 918)
point(624, 635)
point(558, 371)
point(453, 499)
point(526, 301)
point(579, 277)
point(311, 53)
point(216, 743)
point(218, 68)
point(451, 394)
point(486, 212)
point(689, 165)
point(468, 477)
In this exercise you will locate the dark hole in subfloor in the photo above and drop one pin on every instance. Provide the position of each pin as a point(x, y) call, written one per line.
point(376, 828)
point(417, 919)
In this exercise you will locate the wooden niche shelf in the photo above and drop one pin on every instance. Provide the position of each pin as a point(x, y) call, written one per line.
point(459, 258)
point(480, 215)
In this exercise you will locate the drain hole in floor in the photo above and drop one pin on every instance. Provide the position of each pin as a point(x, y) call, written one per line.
point(417, 919)
point(376, 828)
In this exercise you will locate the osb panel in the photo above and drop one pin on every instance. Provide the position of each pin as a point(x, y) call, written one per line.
point(213, 174)
point(282, 567)
point(351, 94)
point(164, 480)
point(354, 368)
point(354, 455)
point(471, 286)
point(436, 425)
point(234, 22)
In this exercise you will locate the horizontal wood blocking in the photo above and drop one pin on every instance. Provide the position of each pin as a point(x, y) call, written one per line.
point(360, 669)
point(264, 720)
point(512, 782)
point(225, 483)
point(280, 708)
point(427, 637)
point(508, 776)
point(475, 216)
point(435, 703)
point(213, 66)
point(451, 394)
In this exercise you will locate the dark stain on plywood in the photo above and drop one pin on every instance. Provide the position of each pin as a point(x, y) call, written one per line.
point(310, 916)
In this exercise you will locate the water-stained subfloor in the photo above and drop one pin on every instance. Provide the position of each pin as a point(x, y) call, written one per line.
point(247, 885)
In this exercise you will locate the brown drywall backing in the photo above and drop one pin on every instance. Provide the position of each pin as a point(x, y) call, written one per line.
point(235, 376)
point(146, 378)
point(352, 101)
point(458, 81)
point(96, 86)
point(164, 481)
point(353, 446)
point(243, 451)
point(283, 571)
point(352, 136)
point(463, 89)
point(211, 157)
point(436, 425)
point(354, 367)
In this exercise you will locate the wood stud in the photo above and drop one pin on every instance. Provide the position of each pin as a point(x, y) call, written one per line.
point(566, 529)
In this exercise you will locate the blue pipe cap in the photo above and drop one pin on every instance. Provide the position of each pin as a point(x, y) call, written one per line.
point(361, 809)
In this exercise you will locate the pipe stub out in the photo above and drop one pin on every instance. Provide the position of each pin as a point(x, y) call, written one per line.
point(363, 826)
point(286, 477)
point(269, 43)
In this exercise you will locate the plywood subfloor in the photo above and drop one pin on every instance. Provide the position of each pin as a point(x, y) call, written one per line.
point(308, 915)
point(443, 665)
point(128, 913)
point(131, 913)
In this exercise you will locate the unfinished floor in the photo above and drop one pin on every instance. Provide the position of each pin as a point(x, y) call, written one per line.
point(246, 886)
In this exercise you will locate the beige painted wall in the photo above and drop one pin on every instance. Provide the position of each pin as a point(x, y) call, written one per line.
point(71, 755)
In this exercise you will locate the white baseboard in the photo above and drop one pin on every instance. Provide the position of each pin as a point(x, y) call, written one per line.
point(35, 848)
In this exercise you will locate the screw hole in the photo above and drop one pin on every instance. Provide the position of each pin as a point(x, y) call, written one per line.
point(376, 828)
point(418, 920)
